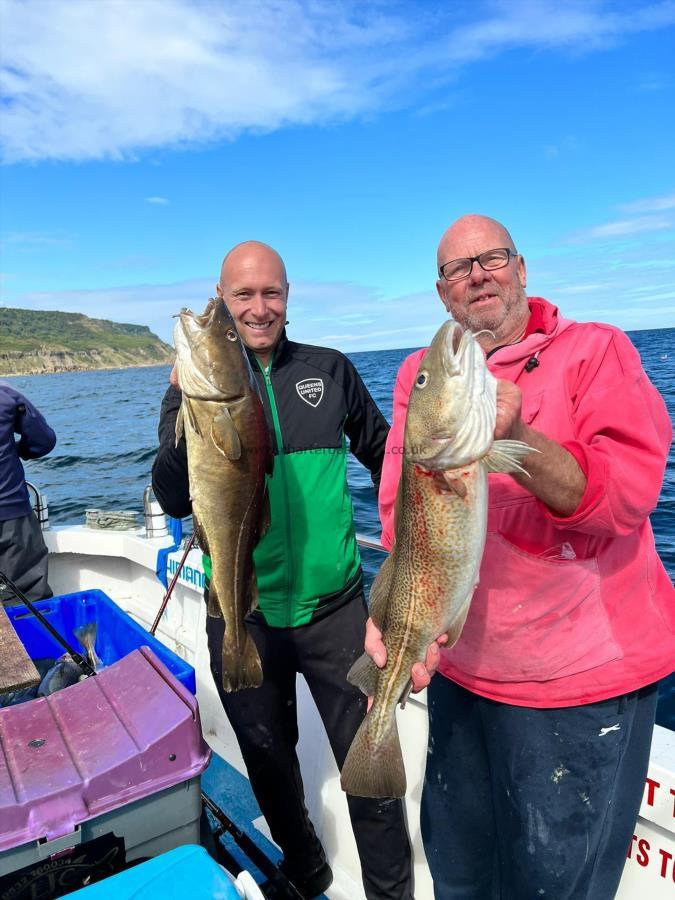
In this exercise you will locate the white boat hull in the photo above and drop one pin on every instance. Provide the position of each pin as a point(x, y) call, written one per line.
point(122, 564)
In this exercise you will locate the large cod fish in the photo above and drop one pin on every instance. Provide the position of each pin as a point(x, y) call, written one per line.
point(425, 585)
point(229, 453)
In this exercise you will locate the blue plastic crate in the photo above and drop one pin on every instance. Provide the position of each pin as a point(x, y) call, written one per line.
point(117, 635)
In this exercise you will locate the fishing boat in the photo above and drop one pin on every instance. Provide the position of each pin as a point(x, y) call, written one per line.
point(122, 562)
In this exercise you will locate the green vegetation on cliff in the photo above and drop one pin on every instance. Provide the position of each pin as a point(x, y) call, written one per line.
point(41, 341)
point(31, 329)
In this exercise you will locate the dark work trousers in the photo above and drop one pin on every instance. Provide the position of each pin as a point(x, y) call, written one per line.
point(522, 803)
point(23, 557)
point(266, 725)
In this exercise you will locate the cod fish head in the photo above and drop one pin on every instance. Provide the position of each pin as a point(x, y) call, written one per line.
point(210, 357)
point(452, 408)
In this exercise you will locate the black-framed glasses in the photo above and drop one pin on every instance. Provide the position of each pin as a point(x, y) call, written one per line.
point(489, 260)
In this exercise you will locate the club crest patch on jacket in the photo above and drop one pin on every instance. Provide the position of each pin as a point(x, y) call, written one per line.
point(310, 390)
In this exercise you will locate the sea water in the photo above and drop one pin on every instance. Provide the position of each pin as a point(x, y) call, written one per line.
point(106, 426)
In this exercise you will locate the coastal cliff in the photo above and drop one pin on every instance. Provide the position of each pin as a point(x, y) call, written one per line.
point(33, 342)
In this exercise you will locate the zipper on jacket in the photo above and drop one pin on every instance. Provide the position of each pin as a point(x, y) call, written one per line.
point(267, 375)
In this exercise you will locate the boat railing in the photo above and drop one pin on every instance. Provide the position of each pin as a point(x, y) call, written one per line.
point(153, 515)
point(38, 501)
point(154, 518)
point(371, 543)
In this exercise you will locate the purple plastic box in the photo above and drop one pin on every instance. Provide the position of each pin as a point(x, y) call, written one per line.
point(111, 740)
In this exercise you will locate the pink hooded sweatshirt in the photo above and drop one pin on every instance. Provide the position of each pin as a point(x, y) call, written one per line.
point(577, 609)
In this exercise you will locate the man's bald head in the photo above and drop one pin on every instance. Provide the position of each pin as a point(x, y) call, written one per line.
point(472, 231)
point(251, 253)
point(491, 302)
point(254, 286)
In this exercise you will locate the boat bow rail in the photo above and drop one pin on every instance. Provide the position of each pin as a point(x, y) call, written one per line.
point(38, 501)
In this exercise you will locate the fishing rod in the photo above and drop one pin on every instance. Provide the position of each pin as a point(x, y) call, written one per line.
point(169, 591)
point(77, 658)
point(282, 886)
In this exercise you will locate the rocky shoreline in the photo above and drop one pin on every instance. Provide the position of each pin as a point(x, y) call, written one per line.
point(46, 362)
point(41, 342)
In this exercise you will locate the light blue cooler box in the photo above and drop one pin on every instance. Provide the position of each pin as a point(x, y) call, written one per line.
point(186, 872)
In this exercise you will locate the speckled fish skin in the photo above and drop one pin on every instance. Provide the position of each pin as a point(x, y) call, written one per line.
point(424, 587)
point(229, 453)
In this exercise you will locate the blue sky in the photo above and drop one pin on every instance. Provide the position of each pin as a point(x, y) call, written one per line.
point(140, 140)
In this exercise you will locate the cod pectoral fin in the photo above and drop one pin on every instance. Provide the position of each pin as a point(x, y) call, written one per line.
point(180, 425)
point(506, 456)
point(363, 675)
point(456, 486)
point(189, 415)
point(224, 435)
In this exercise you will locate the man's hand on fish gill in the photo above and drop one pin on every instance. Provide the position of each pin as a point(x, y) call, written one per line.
point(173, 377)
point(509, 402)
point(420, 673)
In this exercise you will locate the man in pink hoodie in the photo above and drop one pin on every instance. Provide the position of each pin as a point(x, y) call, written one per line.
point(540, 722)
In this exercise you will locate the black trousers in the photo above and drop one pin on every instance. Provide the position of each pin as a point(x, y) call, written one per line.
point(522, 803)
point(266, 725)
point(23, 556)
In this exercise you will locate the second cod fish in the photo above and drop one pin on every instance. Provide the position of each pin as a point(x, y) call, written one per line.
point(229, 453)
point(425, 585)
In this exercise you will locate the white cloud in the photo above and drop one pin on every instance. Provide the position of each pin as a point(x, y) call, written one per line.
point(652, 82)
point(157, 201)
point(631, 289)
point(571, 289)
point(28, 240)
point(142, 304)
point(111, 78)
point(631, 286)
point(626, 228)
point(359, 317)
point(579, 25)
point(652, 204)
point(567, 146)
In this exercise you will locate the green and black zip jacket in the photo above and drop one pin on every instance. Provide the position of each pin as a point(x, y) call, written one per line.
point(308, 562)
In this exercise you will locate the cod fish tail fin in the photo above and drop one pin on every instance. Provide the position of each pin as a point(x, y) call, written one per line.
point(372, 770)
point(241, 664)
point(363, 675)
point(506, 456)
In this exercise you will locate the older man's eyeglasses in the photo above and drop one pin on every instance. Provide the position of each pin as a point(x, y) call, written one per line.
point(489, 260)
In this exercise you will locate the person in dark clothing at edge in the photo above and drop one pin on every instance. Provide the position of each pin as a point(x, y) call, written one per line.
point(312, 613)
point(23, 554)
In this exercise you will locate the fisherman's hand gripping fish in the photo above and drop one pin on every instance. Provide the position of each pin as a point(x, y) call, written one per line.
point(424, 588)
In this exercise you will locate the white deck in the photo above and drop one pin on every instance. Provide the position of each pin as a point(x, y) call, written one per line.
point(122, 564)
